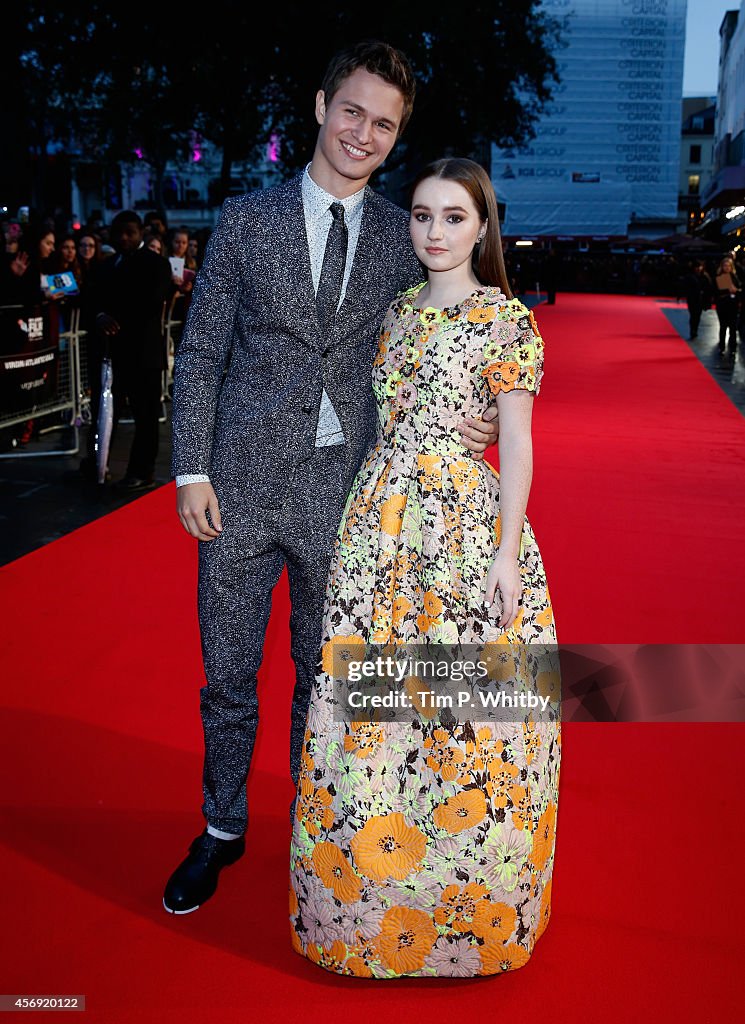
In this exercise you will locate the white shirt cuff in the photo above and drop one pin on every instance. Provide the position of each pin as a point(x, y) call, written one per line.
point(192, 478)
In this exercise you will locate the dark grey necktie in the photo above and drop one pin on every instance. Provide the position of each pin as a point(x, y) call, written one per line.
point(332, 270)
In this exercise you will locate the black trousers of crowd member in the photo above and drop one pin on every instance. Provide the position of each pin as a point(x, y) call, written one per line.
point(727, 311)
point(141, 388)
point(695, 308)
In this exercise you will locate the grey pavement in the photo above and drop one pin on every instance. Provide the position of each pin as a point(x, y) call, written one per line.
point(43, 498)
point(727, 372)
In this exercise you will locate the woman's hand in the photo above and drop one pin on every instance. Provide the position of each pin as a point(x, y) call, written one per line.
point(503, 580)
point(182, 284)
point(19, 265)
point(195, 502)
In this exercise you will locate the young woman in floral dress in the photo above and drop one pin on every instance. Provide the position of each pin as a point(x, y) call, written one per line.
point(426, 848)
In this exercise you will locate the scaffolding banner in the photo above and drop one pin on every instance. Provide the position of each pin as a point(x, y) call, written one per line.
point(607, 150)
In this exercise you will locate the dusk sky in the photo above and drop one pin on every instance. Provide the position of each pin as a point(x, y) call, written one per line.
point(702, 45)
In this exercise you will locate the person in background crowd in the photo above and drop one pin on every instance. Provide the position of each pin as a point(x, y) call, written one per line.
point(156, 223)
point(41, 246)
point(22, 283)
point(550, 272)
point(107, 249)
point(698, 289)
point(12, 235)
point(11, 268)
point(130, 295)
point(739, 261)
point(95, 224)
point(90, 258)
point(154, 242)
point(182, 282)
point(192, 253)
point(66, 258)
point(89, 253)
point(728, 294)
point(179, 247)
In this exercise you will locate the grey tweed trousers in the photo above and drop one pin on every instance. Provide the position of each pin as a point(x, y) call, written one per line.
point(237, 573)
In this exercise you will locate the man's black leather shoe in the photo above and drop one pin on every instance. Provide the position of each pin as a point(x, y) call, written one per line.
point(195, 879)
point(134, 483)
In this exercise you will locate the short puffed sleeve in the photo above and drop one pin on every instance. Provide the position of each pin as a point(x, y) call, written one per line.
point(513, 353)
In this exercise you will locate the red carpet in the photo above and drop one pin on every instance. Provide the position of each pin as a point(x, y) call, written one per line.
point(638, 480)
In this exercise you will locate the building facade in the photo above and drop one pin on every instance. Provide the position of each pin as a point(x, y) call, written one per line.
point(191, 187)
point(606, 155)
point(696, 157)
point(724, 199)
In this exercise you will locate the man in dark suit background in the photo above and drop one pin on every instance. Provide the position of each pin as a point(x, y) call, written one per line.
point(129, 295)
point(699, 293)
point(273, 413)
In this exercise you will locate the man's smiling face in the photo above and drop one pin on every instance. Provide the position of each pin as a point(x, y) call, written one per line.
point(359, 128)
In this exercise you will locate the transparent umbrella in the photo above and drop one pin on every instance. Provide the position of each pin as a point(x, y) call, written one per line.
point(105, 420)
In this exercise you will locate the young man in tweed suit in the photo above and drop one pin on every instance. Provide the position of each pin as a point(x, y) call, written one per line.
point(273, 413)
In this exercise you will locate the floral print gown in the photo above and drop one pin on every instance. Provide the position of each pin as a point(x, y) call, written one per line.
point(426, 849)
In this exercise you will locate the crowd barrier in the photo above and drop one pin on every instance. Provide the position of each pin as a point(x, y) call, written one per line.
point(43, 374)
point(172, 327)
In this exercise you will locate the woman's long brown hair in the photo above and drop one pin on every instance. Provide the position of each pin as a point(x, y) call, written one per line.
point(488, 260)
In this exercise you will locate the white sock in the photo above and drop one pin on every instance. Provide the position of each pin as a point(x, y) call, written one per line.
point(221, 835)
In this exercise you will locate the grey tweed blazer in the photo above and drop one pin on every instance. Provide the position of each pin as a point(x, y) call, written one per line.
point(252, 362)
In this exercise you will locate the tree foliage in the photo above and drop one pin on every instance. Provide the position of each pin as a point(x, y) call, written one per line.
point(137, 76)
point(483, 74)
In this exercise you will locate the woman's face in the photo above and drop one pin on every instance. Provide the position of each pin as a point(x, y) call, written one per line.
point(46, 245)
point(444, 224)
point(68, 250)
point(156, 245)
point(87, 247)
point(727, 266)
point(192, 248)
point(179, 244)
